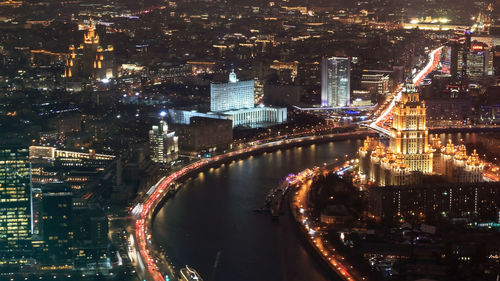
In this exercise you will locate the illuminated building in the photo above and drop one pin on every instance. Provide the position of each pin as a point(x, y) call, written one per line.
point(200, 67)
point(410, 157)
point(409, 135)
point(90, 59)
point(50, 165)
point(52, 153)
point(233, 101)
point(375, 83)
point(479, 60)
point(335, 82)
point(11, 3)
point(233, 95)
point(15, 204)
point(440, 24)
point(163, 144)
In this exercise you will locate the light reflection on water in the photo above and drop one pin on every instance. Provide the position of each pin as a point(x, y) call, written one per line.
point(214, 213)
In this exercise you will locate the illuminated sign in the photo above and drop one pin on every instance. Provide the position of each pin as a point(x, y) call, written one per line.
point(477, 48)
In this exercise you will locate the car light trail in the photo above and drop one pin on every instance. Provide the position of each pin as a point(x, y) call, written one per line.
point(159, 190)
point(379, 123)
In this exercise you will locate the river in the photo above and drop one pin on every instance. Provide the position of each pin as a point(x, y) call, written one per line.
point(210, 224)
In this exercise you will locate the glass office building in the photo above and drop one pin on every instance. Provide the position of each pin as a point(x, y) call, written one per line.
point(15, 199)
point(335, 82)
point(233, 95)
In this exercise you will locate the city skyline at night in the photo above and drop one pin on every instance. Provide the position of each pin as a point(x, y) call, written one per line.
point(250, 140)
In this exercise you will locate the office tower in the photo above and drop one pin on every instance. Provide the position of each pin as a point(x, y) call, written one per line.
point(233, 95)
point(163, 144)
point(470, 61)
point(376, 82)
point(56, 226)
point(15, 200)
point(335, 82)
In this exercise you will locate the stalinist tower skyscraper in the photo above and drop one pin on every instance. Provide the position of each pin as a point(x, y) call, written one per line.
point(409, 135)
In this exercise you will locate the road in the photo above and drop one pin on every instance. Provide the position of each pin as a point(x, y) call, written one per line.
point(314, 230)
point(379, 124)
point(150, 259)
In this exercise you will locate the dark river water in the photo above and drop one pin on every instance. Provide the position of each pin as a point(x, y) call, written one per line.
point(210, 224)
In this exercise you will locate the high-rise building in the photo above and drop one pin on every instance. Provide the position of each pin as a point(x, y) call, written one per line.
point(163, 144)
point(409, 135)
point(475, 63)
point(410, 156)
point(233, 95)
point(234, 101)
point(15, 199)
point(56, 224)
point(90, 59)
point(335, 82)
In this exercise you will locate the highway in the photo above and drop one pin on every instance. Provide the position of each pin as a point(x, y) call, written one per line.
point(379, 123)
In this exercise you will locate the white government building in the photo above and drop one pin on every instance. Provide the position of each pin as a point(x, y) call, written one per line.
point(234, 101)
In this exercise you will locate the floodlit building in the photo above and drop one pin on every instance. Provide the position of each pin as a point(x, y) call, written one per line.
point(233, 95)
point(335, 82)
point(234, 101)
point(163, 144)
point(410, 156)
point(90, 59)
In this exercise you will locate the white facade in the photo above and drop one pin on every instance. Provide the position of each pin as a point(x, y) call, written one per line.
point(257, 115)
point(234, 101)
point(249, 116)
point(233, 95)
point(163, 144)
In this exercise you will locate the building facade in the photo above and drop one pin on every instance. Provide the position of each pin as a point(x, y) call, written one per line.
point(410, 157)
point(15, 204)
point(434, 202)
point(205, 134)
point(234, 101)
point(90, 59)
point(376, 83)
point(163, 145)
point(335, 82)
point(233, 95)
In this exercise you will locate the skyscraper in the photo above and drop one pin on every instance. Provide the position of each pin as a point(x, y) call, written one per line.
point(56, 222)
point(90, 59)
point(163, 144)
point(233, 95)
point(15, 199)
point(335, 81)
point(410, 157)
point(409, 134)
